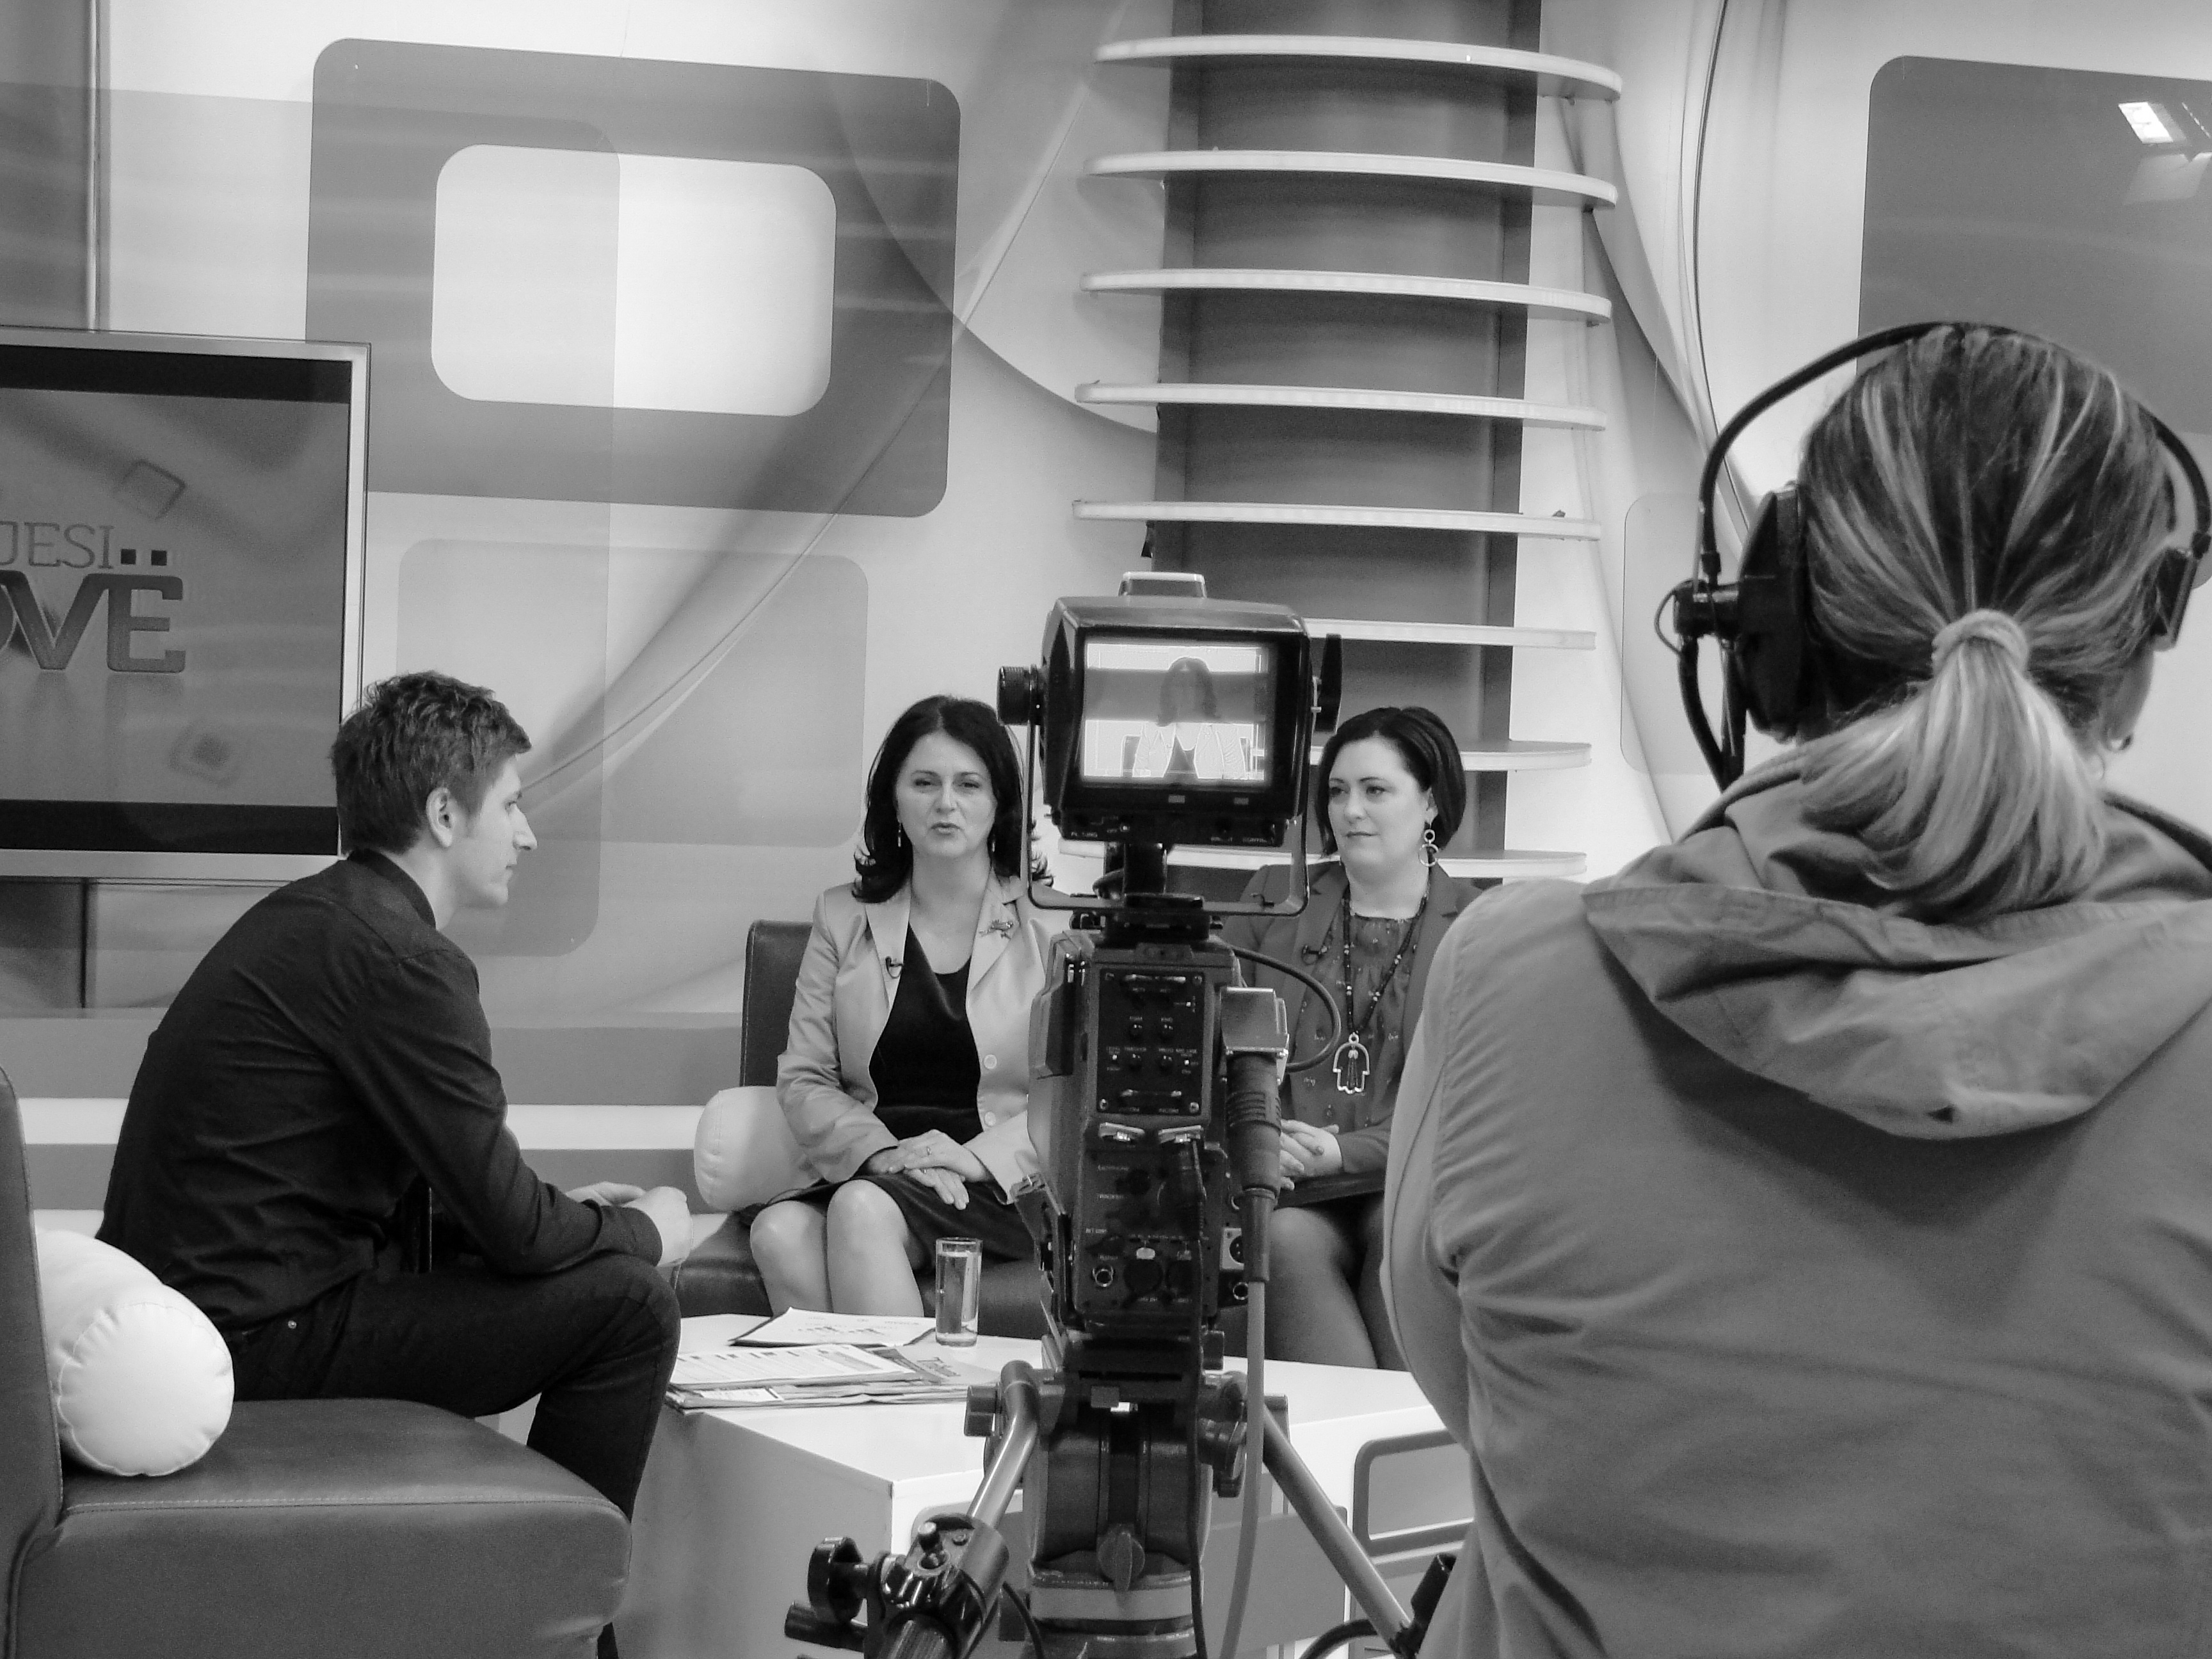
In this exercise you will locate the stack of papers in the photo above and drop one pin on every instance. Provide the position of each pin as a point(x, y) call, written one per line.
point(817, 1374)
point(803, 1326)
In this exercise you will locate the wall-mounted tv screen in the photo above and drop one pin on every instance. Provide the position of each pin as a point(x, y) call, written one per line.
point(180, 600)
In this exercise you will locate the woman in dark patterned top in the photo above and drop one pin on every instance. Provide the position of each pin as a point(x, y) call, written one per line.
point(1392, 790)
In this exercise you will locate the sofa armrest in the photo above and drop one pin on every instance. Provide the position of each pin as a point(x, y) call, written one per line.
point(744, 1153)
point(720, 1276)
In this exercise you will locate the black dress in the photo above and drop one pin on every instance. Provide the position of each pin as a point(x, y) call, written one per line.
point(927, 1075)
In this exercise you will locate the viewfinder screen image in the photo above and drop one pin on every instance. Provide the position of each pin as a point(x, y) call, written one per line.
point(1177, 712)
point(172, 599)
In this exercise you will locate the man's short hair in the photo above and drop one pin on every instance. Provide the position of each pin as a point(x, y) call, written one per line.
point(414, 733)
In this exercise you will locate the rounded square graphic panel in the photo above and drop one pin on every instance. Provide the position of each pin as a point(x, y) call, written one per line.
point(668, 283)
point(523, 274)
point(716, 394)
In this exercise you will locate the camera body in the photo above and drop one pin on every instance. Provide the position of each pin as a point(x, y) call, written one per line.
point(1140, 1251)
point(1156, 718)
point(1164, 719)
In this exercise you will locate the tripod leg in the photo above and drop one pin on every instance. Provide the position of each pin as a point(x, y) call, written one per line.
point(1334, 1538)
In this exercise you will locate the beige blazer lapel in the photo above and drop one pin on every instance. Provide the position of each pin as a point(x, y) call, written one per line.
point(887, 933)
point(994, 931)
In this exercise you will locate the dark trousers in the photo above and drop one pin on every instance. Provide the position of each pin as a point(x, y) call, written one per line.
point(595, 1342)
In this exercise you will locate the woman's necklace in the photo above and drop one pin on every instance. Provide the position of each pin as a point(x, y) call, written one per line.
point(1353, 1062)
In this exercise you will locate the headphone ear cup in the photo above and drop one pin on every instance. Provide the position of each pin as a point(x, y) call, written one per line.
point(1771, 643)
point(2171, 585)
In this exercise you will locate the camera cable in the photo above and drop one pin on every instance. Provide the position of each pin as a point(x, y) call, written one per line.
point(1338, 1636)
point(1327, 996)
point(1021, 1605)
point(1255, 1407)
point(1254, 1125)
point(1195, 1498)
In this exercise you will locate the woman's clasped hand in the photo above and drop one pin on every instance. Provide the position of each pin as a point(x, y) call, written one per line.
point(1308, 1152)
point(935, 1159)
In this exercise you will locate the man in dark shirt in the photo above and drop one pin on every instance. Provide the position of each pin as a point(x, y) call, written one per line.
point(331, 1050)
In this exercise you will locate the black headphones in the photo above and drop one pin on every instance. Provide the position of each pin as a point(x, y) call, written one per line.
point(1762, 620)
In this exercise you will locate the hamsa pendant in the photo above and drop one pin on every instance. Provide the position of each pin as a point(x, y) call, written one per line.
point(1351, 1067)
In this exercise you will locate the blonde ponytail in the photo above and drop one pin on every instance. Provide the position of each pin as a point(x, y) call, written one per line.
point(1983, 511)
point(1972, 795)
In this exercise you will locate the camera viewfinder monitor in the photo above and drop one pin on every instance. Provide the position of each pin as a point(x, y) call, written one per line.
point(1177, 712)
point(1175, 722)
point(180, 575)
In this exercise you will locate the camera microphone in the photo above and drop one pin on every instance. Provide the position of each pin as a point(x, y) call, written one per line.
point(1256, 1039)
point(1254, 1139)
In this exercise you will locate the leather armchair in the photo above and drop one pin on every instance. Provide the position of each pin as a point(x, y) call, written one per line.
point(344, 1528)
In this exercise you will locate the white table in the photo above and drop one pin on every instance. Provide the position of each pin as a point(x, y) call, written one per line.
point(733, 1501)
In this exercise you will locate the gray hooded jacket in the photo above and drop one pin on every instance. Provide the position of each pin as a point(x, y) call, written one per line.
point(1804, 1279)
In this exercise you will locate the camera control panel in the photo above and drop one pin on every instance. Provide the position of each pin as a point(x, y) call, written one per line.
point(1153, 1034)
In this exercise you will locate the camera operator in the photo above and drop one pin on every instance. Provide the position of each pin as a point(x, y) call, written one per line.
point(1807, 1229)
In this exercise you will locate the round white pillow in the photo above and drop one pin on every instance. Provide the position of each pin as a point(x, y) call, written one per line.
point(744, 1153)
point(141, 1379)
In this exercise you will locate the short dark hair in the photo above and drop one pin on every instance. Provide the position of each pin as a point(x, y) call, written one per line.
point(1423, 741)
point(414, 733)
point(886, 860)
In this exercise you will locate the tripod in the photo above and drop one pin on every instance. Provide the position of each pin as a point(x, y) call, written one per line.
point(1155, 1111)
point(933, 1601)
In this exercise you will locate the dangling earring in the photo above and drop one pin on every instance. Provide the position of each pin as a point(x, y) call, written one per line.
point(898, 835)
point(1428, 846)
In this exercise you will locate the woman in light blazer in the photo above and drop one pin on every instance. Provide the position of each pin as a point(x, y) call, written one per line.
point(905, 1078)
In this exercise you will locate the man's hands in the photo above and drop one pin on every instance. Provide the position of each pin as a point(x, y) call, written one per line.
point(670, 1213)
point(936, 1160)
point(607, 1192)
point(1308, 1152)
point(670, 1210)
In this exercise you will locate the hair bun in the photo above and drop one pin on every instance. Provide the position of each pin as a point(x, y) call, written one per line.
point(1981, 628)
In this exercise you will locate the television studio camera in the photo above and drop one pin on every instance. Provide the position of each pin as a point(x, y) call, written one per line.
point(1164, 719)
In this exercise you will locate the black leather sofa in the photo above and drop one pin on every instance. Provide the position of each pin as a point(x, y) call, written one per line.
point(342, 1528)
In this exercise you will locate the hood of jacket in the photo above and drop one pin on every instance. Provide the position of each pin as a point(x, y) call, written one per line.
point(1763, 938)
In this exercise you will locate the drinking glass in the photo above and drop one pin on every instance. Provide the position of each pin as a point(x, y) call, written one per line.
point(959, 1290)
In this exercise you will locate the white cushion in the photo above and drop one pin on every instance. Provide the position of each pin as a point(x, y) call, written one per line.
point(743, 1153)
point(141, 1379)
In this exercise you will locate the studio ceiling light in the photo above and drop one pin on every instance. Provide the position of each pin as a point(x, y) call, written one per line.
point(2152, 124)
